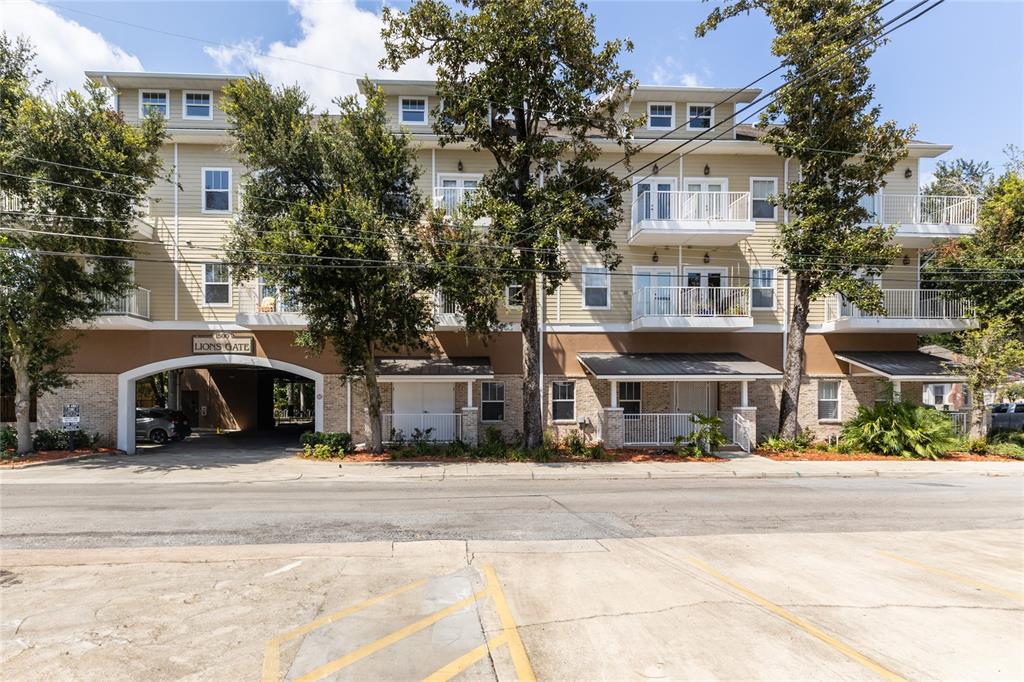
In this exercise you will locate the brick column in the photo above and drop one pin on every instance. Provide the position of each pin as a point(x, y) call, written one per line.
point(750, 414)
point(613, 429)
point(470, 430)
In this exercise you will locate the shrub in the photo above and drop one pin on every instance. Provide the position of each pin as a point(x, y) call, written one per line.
point(58, 439)
point(8, 439)
point(900, 429)
point(575, 443)
point(1006, 450)
point(705, 438)
point(324, 445)
point(597, 452)
point(493, 445)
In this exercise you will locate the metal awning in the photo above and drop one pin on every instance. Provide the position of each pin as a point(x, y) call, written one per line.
point(909, 365)
point(676, 367)
point(433, 369)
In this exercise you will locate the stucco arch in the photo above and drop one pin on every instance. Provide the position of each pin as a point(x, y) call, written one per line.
point(126, 386)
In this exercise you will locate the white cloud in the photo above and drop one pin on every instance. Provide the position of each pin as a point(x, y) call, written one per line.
point(65, 49)
point(669, 71)
point(338, 35)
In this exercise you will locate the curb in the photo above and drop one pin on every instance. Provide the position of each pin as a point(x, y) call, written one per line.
point(62, 460)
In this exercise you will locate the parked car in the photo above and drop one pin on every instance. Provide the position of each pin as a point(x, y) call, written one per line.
point(159, 424)
point(1008, 417)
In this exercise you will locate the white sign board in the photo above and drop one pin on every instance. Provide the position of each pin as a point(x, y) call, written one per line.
point(72, 417)
point(223, 343)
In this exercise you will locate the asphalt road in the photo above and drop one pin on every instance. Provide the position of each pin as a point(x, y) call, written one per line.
point(137, 514)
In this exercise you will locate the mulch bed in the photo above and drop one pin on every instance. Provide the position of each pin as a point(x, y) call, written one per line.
point(54, 456)
point(818, 456)
point(631, 455)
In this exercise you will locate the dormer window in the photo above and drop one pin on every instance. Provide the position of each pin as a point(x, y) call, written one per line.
point(661, 116)
point(152, 101)
point(700, 116)
point(412, 110)
point(197, 105)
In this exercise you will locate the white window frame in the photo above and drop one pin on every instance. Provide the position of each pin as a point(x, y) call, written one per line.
point(426, 110)
point(229, 285)
point(689, 116)
point(563, 400)
point(838, 401)
point(508, 297)
point(672, 118)
point(483, 400)
point(775, 191)
point(774, 289)
point(166, 93)
point(202, 193)
point(184, 105)
point(592, 270)
point(639, 399)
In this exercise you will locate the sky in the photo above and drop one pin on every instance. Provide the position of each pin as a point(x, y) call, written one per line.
point(957, 73)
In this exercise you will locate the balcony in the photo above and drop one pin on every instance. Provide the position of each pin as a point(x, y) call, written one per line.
point(451, 199)
point(921, 220)
point(446, 314)
point(266, 306)
point(134, 303)
point(911, 310)
point(677, 218)
point(692, 308)
point(143, 226)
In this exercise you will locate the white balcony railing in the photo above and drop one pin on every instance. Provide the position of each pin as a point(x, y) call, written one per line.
point(266, 299)
point(906, 304)
point(742, 432)
point(691, 302)
point(656, 428)
point(692, 206)
point(920, 209)
point(10, 202)
point(438, 427)
point(446, 312)
point(134, 303)
point(451, 198)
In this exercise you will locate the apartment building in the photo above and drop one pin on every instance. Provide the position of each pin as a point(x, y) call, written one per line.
point(692, 321)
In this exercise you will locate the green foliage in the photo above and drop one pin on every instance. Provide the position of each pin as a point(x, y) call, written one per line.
point(988, 356)
point(528, 82)
point(48, 282)
point(59, 439)
point(8, 439)
point(325, 445)
point(960, 177)
point(776, 443)
point(900, 428)
point(575, 443)
point(335, 190)
point(707, 437)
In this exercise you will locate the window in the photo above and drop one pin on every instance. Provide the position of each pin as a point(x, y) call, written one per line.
point(595, 287)
point(563, 401)
point(762, 285)
point(760, 190)
point(514, 296)
point(828, 400)
point(216, 284)
point(216, 190)
point(413, 110)
point(938, 394)
point(151, 101)
point(700, 117)
point(661, 116)
point(629, 398)
point(197, 105)
point(492, 402)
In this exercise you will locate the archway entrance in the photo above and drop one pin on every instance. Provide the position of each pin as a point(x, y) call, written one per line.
point(218, 368)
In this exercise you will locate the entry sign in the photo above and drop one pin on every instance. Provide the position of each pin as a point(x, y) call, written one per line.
point(72, 417)
point(222, 343)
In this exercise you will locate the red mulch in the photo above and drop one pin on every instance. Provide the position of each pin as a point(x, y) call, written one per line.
point(54, 455)
point(819, 456)
point(632, 455)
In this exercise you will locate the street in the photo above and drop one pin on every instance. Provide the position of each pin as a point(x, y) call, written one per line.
point(260, 566)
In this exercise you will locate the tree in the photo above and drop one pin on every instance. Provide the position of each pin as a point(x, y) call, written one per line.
point(527, 82)
point(831, 127)
point(70, 167)
point(988, 356)
point(960, 177)
point(329, 215)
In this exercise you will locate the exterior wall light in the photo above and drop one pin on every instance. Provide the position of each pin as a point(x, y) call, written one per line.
point(655, 169)
point(707, 169)
point(654, 258)
point(908, 173)
point(707, 258)
point(460, 165)
point(906, 259)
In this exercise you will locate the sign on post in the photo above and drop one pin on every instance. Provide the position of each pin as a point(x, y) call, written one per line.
point(72, 417)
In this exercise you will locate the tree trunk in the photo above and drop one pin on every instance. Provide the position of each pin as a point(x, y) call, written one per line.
point(789, 425)
point(373, 403)
point(22, 399)
point(533, 432)
point(977, 427)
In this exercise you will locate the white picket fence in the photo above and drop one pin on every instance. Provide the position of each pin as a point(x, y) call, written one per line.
point(438, 427)
point(656, 428)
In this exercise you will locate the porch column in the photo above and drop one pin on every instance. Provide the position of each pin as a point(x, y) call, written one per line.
point(897, 391)
point(172, 390)
point(613, 428)
point(469, 393)
point(744, 400)
point(469, 425)
point(615, 393)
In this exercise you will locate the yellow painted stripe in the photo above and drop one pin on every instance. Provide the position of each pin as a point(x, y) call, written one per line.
point(460, 664)
point(272, 655)
point(524, 671)
point(800, 623)
point(389, 639)
point(1017, 596)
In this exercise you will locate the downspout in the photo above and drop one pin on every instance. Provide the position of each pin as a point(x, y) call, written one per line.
point(540, 327)
point(348, 404)
point(177, 233)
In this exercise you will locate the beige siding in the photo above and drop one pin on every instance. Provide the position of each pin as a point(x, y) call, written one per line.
point(128, 104)
point(638, 107)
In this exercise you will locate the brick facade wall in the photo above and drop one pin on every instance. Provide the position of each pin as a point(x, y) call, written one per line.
point(97, 396)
